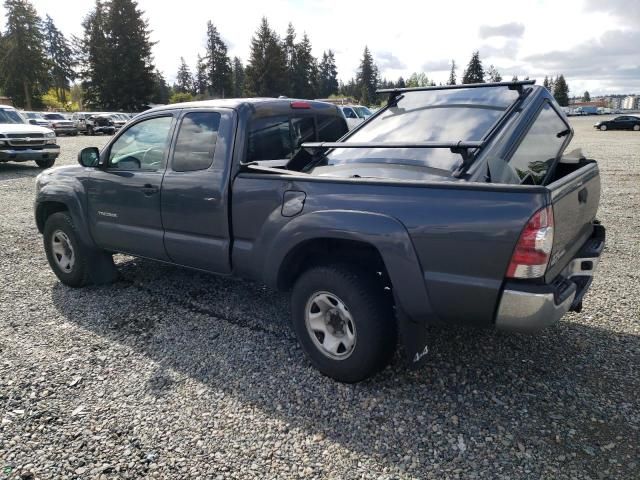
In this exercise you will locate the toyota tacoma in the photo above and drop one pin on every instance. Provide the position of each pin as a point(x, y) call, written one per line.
point(450, 205)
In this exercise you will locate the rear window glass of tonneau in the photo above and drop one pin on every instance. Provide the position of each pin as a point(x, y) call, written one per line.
point(428, 116)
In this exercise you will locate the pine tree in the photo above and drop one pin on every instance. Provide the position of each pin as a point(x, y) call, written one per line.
point(265, 74)
point(452, 74)
point(161, 90)
point(290, 52)
point(184, 81)
point(115, 57)
point(493, 75)
point(305, 70)
point(367, 78)
point(474, 72)
point(23, 63)
point(93, 56)
point(200, 80)
point(586, 97)
point(218, 64)
point(237, 74)
point(546, 84)
point(60, 57)
point(327, 75)
point(514, 78)
point(401, 83)
point(129, 83)
point(561, 91)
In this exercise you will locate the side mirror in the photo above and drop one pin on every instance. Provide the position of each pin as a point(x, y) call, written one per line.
point(32, 121)
point(89, 157)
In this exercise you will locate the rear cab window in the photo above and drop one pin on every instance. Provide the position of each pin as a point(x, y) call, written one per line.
point(196, 142)
point(280, 137)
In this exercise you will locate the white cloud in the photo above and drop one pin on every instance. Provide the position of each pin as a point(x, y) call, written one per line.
point(414, 36)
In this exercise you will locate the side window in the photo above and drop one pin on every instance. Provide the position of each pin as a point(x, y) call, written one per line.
point(539, 149)
point(269, 139)
point(196, 141)
point(142, 146)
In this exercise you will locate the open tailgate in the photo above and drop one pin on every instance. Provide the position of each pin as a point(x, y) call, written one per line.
point(575, 199)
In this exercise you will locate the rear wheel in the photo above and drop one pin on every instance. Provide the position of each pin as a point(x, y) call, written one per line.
point(46, 162)
point(90, 131)
point(343, 322)
point(603, 127)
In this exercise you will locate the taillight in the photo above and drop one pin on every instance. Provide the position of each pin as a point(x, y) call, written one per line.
point(531, 255)
point(302, 105)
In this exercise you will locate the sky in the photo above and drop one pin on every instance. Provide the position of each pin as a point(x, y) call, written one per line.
point(594, 43)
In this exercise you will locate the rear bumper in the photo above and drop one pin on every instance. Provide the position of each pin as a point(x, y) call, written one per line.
point(11, 155)
point(529, 308)
point(65, 130)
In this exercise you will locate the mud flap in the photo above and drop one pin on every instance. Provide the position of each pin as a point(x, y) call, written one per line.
point(413, 336)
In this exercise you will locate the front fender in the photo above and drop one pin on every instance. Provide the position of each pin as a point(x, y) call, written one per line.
point(72, 195)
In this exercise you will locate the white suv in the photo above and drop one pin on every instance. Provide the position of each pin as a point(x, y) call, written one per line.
point(22, 142)
point(354, 114)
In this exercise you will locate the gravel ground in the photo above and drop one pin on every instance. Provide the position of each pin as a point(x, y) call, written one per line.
point(174, 374)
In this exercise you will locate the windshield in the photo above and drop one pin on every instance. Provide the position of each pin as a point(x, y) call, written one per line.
point(10, 116)
point(427, 116)
point(54, 116)
point(33, 115)
point(362, 112)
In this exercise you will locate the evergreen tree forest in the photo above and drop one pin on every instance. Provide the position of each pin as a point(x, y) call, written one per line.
point(110, 66)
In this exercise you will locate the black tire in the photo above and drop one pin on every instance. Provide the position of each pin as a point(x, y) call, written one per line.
point(636, 128)
point(90, 131)
point(372, 316)
point(46, 162)
point(603, 127)
point(89, 266)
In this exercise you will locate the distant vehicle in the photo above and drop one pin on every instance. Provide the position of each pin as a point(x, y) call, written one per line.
point(21, 141)
point(60, 124)
point(118, 120)
point(79, 119)
point(99, 123)
point(354, 114)
point(36, 118)
point(625, 122)
point(604, 111)
point(588, 110)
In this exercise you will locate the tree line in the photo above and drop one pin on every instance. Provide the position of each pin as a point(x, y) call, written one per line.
point(110, 66)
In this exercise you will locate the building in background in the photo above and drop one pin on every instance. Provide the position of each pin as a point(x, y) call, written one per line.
point(631, 102)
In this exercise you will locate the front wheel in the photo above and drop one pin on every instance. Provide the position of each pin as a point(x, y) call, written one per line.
point(603, 127)
point(636, 128)
point(46, 162)
point(343, 321)
point(73, 263)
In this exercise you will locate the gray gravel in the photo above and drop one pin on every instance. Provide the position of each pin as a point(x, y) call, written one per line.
point(174, 374)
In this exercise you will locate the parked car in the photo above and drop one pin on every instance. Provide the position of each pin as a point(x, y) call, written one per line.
point(466, 213)
point(36, 118)
point(99, 123)
point(79, 120)
point(625, 122)
point(355, 114)
point(21, 141)
point(118, 120)
point(60, 124)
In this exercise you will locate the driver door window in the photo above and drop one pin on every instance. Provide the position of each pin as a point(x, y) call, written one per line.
point(143, 146)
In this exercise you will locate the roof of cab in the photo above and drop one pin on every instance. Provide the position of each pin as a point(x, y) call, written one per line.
point(238, 103)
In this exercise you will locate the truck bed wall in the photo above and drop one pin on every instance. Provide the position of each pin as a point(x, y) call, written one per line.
point(463, 234)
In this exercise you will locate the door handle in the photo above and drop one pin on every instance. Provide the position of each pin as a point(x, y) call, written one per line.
point(582, 195)
point(149, 189)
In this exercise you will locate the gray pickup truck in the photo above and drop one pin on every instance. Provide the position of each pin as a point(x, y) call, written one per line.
point(449, 205)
